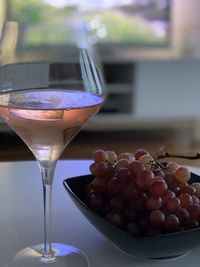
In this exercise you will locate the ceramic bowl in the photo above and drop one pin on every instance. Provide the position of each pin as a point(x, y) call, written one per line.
point(157, 247)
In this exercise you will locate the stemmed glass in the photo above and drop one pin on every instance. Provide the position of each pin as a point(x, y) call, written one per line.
point(46, 104)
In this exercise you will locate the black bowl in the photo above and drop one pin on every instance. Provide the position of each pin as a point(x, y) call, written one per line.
point(157, 247)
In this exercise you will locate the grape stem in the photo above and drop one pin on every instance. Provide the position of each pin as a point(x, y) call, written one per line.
point(168, 155)
point(158, 163)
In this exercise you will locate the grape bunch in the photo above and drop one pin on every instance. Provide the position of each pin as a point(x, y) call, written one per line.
point(142, 196)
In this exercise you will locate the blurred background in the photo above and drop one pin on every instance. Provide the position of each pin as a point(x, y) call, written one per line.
point(149, 53)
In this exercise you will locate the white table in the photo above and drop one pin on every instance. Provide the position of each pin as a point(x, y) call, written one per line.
point(21, 218)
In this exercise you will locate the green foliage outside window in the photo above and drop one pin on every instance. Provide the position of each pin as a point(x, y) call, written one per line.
point(44, 24)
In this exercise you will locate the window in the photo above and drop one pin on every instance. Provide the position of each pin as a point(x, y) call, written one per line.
point(107, 23)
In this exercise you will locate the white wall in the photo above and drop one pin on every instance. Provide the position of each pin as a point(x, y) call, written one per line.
point(185, 27)
point(167, 89)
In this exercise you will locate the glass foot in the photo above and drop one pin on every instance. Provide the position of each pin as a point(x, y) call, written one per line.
point(65, 256)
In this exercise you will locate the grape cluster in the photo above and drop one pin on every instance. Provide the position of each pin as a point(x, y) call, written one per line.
point(142, 196)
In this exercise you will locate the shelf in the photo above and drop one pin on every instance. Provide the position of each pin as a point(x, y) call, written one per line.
point(119, 84)
point(118, 122)
point(122, 88)
point(117, 73)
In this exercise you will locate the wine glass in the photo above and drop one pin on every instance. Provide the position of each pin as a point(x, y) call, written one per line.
point(46, 104)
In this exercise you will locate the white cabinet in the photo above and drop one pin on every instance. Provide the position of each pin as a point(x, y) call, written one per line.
point(167, 89)
point(151, 95)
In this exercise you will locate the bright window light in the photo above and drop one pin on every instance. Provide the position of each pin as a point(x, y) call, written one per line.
point(56, 3)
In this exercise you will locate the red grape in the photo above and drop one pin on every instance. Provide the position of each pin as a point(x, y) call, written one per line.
point(140, 152)
point(182, 174)
point(133, 229)
point(167, 195)
point(114, 186)
point(111, 157)
point(122, 163)
point(147, 161)
point(100, 156)
point(143, 224)
point(194, 210)
point(158, 188)
point(95, 202)
point(143, 177)
point(182, 214)
point(123, 174)
point(195, 200)
point(172, 203)
point(130, 214)
point(140, 202)
point(165, 210)
point(98, 185)
point(169, 179)
point(129, 156)
point(129, 192)
point(153, 202)
point(196, 185)
point(181, 185)
point(171, 166)
point(185, 200)
point(101, 169)
point(136, 166)
point(171, 223)
point(175, 189)
point(188, 189)
point(157, 218)
point(116, 204)
point(114, 218)
point(89, 193)
point(191, 223)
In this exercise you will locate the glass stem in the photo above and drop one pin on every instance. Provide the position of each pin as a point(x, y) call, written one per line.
point(47, 178)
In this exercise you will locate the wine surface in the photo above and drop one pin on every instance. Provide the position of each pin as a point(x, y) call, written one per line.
point(47, 120)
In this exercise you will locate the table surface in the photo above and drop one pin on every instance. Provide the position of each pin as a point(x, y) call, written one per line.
point(21, 218)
